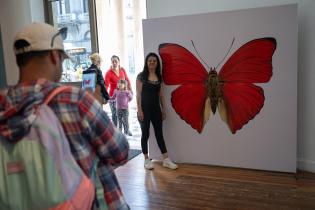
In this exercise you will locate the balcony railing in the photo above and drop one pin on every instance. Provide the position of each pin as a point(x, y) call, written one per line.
point(64, 18)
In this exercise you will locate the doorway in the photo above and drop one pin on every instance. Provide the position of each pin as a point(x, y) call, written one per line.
point(119, 32)
point(109, 27)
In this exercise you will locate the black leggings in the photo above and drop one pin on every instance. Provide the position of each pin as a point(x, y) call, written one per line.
point(155, 117)
point(123, 115)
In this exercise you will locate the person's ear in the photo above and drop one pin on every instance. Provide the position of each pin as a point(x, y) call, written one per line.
point(54, 56)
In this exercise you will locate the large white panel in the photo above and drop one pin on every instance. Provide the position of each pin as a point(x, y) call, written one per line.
point(268, 141)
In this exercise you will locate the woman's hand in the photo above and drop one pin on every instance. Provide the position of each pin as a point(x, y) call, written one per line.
point(140, 115)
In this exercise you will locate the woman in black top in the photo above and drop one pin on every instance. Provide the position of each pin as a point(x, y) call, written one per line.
point(95, 67)
point(151, 108)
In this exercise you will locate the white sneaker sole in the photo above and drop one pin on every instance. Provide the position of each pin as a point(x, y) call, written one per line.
point(169, 167)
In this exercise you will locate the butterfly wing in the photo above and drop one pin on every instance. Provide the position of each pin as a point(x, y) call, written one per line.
point(241, 103)
point(191, 104)
point(251, 63)
point(180, 66)
point(241, 100)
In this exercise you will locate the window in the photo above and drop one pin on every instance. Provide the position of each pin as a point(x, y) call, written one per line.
point(75, 16)
point(85, 6)
point(119, 28)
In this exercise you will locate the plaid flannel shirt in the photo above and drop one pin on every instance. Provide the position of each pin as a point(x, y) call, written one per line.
point(89, 130)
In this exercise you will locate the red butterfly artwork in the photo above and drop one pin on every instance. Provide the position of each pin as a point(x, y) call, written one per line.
point(232, 90)
point(86, 82)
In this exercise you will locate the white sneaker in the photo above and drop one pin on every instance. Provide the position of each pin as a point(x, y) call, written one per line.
point(169, 164)
point(148, 164)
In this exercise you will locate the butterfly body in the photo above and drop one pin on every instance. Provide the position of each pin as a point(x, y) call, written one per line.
point(213, 86)
point(231, 91)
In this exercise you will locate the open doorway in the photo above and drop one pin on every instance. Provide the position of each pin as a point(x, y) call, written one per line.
point(109, 27)
point(119, 32)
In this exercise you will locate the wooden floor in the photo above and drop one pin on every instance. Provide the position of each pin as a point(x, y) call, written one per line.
point(207, 187)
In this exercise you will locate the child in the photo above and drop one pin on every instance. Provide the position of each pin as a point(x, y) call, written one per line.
point(122, 96)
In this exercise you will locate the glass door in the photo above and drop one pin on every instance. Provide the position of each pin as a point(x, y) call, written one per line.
point(80, 42)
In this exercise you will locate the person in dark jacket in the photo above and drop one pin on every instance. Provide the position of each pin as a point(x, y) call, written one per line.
point(95, 67)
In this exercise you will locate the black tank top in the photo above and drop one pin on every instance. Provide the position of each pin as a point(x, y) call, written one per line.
point(150, 95)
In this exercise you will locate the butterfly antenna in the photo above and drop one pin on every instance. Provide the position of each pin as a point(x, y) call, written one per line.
point(226, 53)
point(198, 54)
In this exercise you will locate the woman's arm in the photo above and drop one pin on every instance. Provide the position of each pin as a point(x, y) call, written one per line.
point(138, 96)
point(162, 101)
point(129, 95)
point(101, 82)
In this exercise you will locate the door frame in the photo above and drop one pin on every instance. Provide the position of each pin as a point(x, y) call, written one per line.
point(3, 81)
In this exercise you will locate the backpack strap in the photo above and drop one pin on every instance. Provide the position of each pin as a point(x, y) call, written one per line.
point(55, 92)
point(85, 194)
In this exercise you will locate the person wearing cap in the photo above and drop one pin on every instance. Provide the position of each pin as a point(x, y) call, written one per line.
point(39, 54)
point(100, 93)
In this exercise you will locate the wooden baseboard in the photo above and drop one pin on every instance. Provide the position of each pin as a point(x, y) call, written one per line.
point(306, 165)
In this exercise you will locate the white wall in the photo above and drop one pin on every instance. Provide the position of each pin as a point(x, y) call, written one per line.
point(13, 15)
point(216, 145)
point(306, 54)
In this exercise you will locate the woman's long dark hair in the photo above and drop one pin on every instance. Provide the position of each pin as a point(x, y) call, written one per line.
point(145, 72)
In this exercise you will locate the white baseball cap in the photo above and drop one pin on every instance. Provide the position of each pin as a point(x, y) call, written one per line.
point(39, 37)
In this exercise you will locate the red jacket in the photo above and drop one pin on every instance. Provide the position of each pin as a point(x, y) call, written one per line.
point(111, 80)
